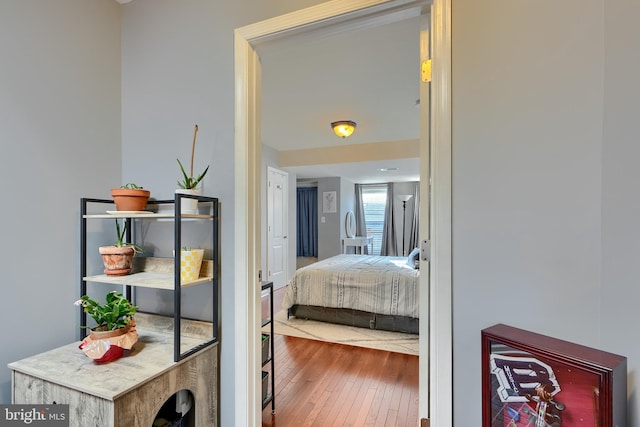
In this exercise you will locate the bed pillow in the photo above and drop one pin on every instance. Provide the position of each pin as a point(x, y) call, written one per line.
point(412, 259)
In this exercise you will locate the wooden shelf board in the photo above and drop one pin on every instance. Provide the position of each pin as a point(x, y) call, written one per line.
point(145, 280)
point(151, 215)
point(152, 272)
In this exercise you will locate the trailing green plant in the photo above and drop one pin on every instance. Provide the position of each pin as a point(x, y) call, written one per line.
point(188, 181)
point(131, 186)
point(117, 311)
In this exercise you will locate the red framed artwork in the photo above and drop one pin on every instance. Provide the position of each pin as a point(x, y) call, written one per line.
point(533, 380)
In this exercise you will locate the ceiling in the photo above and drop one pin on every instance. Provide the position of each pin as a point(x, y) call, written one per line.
point(368, 75)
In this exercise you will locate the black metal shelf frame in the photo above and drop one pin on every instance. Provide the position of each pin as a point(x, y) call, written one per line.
point(177, 294)
point(270, 360)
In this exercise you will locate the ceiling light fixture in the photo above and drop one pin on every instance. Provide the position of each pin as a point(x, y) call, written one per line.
point(343, 128)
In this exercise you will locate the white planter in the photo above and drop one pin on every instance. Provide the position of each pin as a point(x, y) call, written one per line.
point(190, 263)
point(188, 206)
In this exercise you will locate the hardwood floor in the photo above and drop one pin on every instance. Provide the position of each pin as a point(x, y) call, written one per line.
point(325, 384)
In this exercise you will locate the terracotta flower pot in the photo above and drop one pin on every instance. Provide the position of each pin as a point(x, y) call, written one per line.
point(117, 259)
point(98, 334)
point(130, 200)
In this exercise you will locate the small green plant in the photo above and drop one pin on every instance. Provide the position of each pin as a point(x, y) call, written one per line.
point(131, 186)
point(188, 182)
point(116, 313)
point(120, 232)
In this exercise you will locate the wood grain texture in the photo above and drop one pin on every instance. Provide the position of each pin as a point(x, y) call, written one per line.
point(325, 384)
point(127, 392)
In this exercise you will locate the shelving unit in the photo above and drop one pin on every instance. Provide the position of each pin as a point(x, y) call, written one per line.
point(270, 398)
point(126, 391)
point(157, 273)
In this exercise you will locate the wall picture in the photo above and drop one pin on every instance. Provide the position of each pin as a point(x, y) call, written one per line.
point(329, 202)
point(534, 380)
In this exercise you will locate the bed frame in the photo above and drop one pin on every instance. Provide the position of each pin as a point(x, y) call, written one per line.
point(350, 317)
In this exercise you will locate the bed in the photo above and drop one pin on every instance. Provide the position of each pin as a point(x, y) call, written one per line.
point(376, 292)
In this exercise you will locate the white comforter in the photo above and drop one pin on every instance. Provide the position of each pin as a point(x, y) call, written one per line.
point(375, 284)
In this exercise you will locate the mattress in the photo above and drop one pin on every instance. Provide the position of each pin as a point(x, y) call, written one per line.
point(367, 283)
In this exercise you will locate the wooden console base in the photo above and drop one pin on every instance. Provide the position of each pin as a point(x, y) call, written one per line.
point(128, 392)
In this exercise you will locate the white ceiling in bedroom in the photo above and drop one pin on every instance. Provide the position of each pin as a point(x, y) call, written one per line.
point(370, 76)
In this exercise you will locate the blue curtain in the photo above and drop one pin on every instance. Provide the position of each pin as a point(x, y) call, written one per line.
point(307, 224)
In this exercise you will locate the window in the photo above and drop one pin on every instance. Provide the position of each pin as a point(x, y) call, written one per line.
point(374, 201)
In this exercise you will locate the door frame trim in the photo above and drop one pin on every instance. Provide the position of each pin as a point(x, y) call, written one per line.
point(248, 155)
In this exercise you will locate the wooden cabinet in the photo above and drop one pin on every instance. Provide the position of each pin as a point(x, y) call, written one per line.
point(128, 392)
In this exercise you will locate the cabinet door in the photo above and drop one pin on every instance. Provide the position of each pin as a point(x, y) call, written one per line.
point(95, 411)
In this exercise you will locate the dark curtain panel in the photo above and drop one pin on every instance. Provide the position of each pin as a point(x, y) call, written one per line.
point(307, 227)
point(414, 237)
point(389, 246)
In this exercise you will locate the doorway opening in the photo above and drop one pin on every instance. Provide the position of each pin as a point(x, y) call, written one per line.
point(435, 371)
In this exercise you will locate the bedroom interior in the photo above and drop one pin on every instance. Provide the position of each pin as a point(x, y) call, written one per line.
point(295, 75)
point(387, 135)
point(384, 147)
point(393, 150)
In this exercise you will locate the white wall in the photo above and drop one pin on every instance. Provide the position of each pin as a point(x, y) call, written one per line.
point(544, 184)
point(64, 67)
point(329, 242)
point(544, 146)
point(60, 141)
point(177, 70)
point(619, 291)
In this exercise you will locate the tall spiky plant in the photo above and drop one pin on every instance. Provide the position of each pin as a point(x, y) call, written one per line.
point(188, 181)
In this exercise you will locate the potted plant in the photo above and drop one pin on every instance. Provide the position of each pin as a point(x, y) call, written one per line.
point(115, 327)
point(190, 264)
point(130, 197)
point(117, 258)
point(116, 313)
point(188, 184)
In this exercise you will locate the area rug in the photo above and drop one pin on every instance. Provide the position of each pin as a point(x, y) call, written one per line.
point(341, 334)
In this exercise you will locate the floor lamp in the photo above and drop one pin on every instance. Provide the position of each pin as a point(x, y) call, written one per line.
point(404, 198)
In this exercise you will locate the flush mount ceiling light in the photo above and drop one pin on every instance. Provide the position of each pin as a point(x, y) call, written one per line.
point(343, 128)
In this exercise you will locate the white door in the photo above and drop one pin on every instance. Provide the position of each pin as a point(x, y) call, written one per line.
point(277, 226)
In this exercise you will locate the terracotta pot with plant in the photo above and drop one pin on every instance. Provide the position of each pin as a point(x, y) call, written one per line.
point(188, 184)
point(115, 329)
point(130, 197)
point(117, 258)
